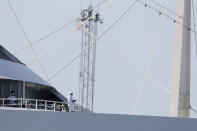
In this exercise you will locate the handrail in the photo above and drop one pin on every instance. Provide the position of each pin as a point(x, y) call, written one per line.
point(35, 104)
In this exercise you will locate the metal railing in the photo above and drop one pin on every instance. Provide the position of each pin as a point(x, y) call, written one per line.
point(35, 104)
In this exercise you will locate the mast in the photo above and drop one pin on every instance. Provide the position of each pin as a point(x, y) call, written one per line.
point(180, 97)
point(90, 18)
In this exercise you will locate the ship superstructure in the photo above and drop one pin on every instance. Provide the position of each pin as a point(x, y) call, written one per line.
point(31, 91)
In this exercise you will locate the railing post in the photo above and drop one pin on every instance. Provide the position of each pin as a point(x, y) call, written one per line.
point(3, 102)
point(45, 104)
point(25, 103)
point(21, 103)
point(36, 104)
point(62, 106)
point(54, 105)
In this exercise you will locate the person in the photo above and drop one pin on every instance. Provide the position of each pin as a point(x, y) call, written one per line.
point(12, 99)
point(70, 103)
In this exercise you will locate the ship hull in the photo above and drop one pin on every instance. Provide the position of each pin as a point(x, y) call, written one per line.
point(12, 120)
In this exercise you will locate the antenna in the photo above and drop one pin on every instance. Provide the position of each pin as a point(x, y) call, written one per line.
point(88, 25)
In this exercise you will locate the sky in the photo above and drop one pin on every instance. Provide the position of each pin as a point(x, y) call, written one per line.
point(128, 44)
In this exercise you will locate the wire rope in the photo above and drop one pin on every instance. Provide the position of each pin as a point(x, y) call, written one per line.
point(53, 46)
point(192, 109)
point(139, 96)
point(85, 50)
point(186, 27)
point(56, 30)
point(57, 9)
point(27, 38)
point(174, 13)
point(66, 35)
point(134, 66)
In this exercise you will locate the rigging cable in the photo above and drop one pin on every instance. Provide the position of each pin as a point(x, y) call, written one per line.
point(57, 9)
point(192, 109)
point(193, 12)
point(139, 96)
point(167, 16)
point(174, 13)
point(134, 66)
point(28, 40)
point(58, 29)
point(66, 35)
point(53, 46)
point(93, 43)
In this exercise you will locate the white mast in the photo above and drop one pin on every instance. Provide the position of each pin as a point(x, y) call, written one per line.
point(180, 97)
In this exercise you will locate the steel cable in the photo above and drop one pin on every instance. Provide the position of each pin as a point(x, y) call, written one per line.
point(66, 35)
point(85, 50)
point(57, 30)
point(139, 96)
point(28, 40)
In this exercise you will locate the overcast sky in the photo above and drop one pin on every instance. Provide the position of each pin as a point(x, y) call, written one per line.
point(129, 41)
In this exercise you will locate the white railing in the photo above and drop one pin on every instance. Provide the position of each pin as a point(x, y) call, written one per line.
point(34, 104)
